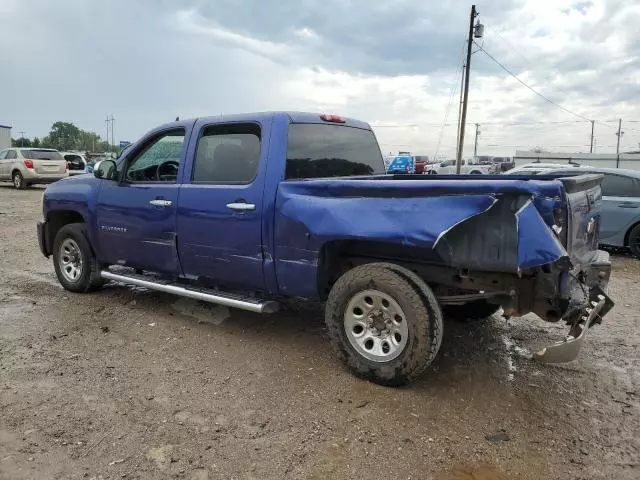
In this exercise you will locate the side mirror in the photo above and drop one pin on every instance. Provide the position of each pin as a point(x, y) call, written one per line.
point(106, 170)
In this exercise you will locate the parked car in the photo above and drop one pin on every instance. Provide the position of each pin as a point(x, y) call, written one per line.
point(245, 210)
point(536, 168)
point(76, 162)
point(620, 210)
point(401, 164)
point(448, 167)
point(28, 166)
point(420, 163)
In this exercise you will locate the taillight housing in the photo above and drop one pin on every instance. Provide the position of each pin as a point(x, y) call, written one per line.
point(332, 118)
point(28, 163)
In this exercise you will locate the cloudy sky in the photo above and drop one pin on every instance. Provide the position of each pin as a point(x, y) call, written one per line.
point(393, 63)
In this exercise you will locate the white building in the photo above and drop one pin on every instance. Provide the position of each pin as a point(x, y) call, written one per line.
point(5, 137)
point(629, 161)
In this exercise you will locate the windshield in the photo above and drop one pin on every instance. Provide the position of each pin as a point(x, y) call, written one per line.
point(41, 154)
point(318, 150)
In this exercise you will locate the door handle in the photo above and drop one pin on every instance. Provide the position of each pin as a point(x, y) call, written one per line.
point(158, 202)
point(241, 206)
point(628, 205)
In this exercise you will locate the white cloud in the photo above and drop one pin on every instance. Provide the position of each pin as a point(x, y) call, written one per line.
point(391, 64)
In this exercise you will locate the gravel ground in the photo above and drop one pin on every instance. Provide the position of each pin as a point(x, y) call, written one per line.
point(127, 383)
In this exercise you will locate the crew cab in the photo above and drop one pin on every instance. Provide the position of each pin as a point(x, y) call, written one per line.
point(250, 210)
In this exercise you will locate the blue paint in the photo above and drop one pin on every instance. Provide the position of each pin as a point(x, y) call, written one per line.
point(537, 245)
point(276, 247)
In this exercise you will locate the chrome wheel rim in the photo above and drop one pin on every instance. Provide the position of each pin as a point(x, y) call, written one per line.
point(376, 326)
point(17, 181)
point(70, 260)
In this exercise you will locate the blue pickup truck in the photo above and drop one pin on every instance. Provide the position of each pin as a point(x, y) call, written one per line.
point(249, 210)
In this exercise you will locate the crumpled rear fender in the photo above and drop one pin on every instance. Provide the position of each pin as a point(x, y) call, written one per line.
point(501, 232)
point(509, 236)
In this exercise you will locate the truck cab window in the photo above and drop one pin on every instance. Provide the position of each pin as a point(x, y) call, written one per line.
point(318, 150)
point(159, 160)
point(227, 154)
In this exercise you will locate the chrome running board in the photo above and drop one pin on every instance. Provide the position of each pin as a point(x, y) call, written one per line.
point(211, 296)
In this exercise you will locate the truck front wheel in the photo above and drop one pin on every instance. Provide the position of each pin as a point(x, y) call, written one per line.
point(73, 259)
point(382, 325)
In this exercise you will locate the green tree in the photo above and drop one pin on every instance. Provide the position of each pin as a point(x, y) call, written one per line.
point(64, 136)
point(35, 143)
point(20, 142)
point(46, 142)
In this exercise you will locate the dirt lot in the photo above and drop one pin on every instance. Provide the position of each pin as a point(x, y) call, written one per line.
point(127, 383)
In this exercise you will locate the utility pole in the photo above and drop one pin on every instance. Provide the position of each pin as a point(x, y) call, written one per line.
point(107, 123)
point(592, 125)
point(475, 146)
point(22, 138)
point(113, 121)
point(110, 120)
point(619, 134)
point(478, 33)
point(460, 109)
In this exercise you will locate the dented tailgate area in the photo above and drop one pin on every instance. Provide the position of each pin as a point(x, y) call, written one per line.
point(529, 245)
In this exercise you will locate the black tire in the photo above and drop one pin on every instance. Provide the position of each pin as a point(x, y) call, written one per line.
point(18, 181)
point(477, 310)
point(88, 278)
point(634, 241)
point(422, 315)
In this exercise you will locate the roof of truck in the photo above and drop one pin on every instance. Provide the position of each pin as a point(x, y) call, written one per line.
point(294, 117)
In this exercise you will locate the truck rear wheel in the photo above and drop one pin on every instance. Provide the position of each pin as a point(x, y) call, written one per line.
point(73, 259)
point(382, 325)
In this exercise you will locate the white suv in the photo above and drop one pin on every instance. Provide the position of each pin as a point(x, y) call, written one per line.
point(26, 166)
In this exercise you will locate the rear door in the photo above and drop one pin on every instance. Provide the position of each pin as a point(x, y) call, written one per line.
point(620, 207)
point(136, 216)
point(10, 159)
point(221, 204)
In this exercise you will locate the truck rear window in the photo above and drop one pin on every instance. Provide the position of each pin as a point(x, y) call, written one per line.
point(319, 151)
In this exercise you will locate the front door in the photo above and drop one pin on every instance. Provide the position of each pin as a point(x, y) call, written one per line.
point(220, 206)
point(620, 207)
point(136, 216)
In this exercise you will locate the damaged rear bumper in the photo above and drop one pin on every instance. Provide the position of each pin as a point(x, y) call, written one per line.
point(594, 279)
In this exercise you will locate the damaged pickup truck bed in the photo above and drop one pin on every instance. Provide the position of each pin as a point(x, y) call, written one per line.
point(247, 210)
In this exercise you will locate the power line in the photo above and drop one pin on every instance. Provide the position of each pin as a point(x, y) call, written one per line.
point(511, 47)
point(546, 99)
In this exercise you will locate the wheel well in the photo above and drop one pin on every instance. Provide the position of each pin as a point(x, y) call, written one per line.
point(58, 219)
point(475, 172)
point(626, 235)
point(339, 256)
point(14, 171)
